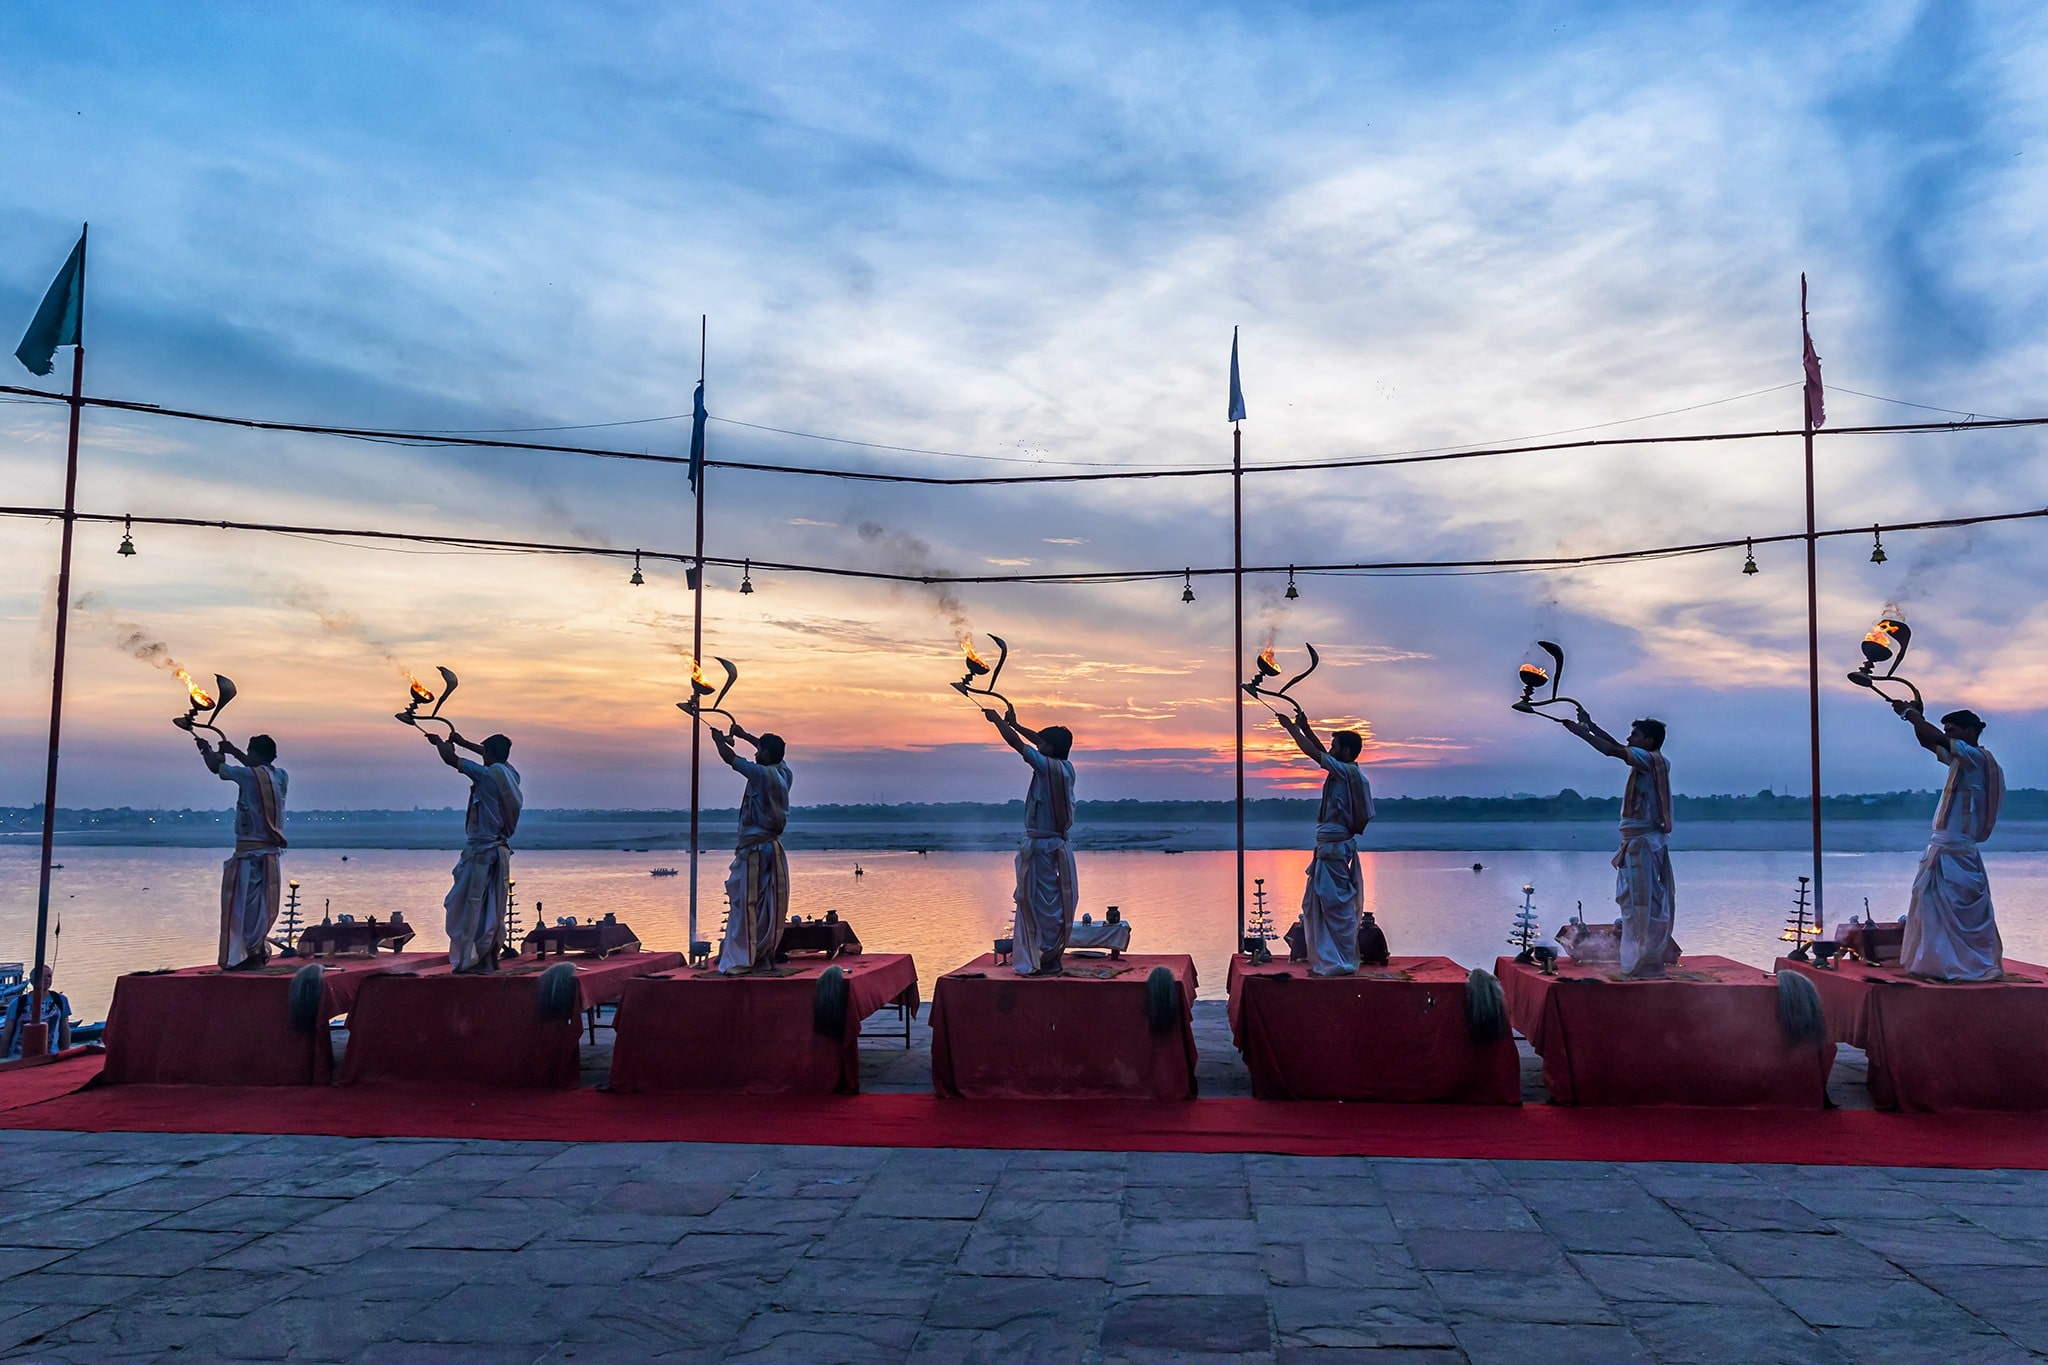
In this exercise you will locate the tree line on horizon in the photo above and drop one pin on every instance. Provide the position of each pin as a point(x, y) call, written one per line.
point(2021, 804)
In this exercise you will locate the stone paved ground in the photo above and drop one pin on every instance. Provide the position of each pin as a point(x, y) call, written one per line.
point(221, 1248)
point(399, 1250)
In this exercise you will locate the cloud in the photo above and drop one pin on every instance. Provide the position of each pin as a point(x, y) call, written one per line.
point(1027, 243)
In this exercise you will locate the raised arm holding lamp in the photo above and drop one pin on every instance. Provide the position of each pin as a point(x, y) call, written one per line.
point(1643, 885)
point(1048, 889)
point(250, 885)
point(476, 902)
point(1333, 898)
point(1951, 928)
point(757, 886)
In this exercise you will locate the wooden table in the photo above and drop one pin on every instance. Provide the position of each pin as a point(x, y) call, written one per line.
point(830, 937)
point(354, 936)
point(599, 939)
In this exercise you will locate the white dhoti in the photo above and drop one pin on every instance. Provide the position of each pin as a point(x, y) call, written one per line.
point(1951, 933)
point(1331, 904)
point(1644, 890)
point(248, 905)
point(1047, 894)
point(476, 905)
point(757, 901)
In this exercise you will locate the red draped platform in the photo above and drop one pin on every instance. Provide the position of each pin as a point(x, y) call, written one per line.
point(432, 1027)
point(1937, 1045)
point(204, 1026)
point(694, 1030)
point(1082, 1035)
point(1393, 1034)
point(1705, 1034)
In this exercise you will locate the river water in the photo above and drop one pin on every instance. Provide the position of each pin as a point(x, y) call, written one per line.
point(128, 909)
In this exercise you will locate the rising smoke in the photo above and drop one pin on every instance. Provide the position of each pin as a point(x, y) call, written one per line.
point(313, 600)
point(904, 553)
point(128, 636)
point(1939, 552)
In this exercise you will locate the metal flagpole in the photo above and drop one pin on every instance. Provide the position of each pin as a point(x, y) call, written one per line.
point(35, 1034)
point(1236, 418)
point(697, 656)
point(1812, 607)
point(1237, 649)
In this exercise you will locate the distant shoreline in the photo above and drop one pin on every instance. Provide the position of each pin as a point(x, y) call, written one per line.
point(809, 833)
point(1566, 821)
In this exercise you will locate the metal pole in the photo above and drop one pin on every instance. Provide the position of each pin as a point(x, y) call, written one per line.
point(1812, 621)
point(35, 1034)
point(696, 659)
point(1237, 650)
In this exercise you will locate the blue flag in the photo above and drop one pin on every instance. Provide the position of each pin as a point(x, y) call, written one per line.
point(697, 417)
point(61, 319)
point(1236, 389)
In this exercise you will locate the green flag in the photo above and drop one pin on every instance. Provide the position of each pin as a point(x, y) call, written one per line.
point(61, 319)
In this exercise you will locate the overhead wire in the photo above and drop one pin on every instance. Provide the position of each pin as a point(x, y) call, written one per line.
point(433, 439)
point(1523, 564)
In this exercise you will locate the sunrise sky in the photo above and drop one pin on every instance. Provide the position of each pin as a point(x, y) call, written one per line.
point(1022, 235)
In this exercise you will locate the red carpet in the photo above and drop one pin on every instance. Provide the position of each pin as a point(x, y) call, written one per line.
point(22, 1084)
point(1533, 1132)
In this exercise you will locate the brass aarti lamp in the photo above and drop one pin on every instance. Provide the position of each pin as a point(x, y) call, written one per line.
point(1886, 644)
point(1269, 667)
point(977, 667)
point(700, 689)
point(205, 703)
point(1534, 672)
point(418, 695)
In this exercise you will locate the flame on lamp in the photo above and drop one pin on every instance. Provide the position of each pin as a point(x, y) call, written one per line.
point(1883, 640)
point(975, 666)
point(697, 680)
point(1534, 676)
point(1267, 667)
point(419, 692)
point(200, 697)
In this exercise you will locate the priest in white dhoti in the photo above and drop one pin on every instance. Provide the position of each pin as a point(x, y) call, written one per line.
point(1047, 889)
point(475, 905)
point(1643, 887)
point(249, 880)
point(1951, 932)
point(1334, 897)
point(757, 887)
